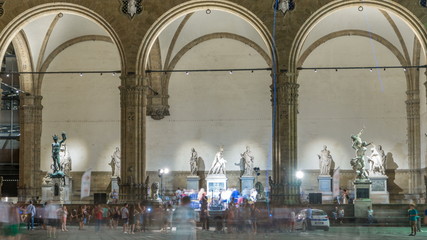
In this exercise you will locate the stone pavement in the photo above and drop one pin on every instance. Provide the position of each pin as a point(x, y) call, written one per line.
point(335, 233)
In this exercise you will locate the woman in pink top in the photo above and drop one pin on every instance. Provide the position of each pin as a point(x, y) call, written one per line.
point(64, 214)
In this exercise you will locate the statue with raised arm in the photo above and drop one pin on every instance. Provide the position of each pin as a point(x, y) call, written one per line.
point(375, 162)
point(248, 160)
point(358, 162)
point(325, 161)
point(56, 148)
point(218, 165)
point(194, 168)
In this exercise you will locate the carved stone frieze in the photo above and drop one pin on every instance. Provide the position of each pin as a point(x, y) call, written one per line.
point(158, 112)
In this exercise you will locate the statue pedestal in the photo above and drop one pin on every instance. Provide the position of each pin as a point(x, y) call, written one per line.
point(215, 183)
point(246, 183)
point(193, 183)
point(115, 184)
point(379, 193)
point(58, 190)
point(362, 198)
point(325, 187)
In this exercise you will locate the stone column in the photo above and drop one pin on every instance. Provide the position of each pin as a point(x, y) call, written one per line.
point(133, 120)
point(414, 139)
point(30, 119)
point(285, 159)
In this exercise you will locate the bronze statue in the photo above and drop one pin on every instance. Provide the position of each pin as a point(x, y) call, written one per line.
point(56, 148)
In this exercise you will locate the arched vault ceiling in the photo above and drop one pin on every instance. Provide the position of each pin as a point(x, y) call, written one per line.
point(384, 24)
point(47, 33)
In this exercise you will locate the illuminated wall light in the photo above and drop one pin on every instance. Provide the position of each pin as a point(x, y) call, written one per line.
point(7, 75)
point(315, 70)
point(187, 73)
point(81, 74)
point(404, 69)
point(231, 72)
point(114, 74)
point(370, 70)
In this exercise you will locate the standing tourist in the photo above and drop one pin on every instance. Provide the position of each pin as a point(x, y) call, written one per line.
point(341, 215)
point(98, 217)
point(51, 211)
point(31, 212)
point(204, 213)
point(63, 217)
point(370, 215)
point(125, 217)
point(413, 214)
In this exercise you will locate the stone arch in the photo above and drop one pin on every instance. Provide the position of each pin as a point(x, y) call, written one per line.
point(396, 8)
point(192, 6)
point(412, 103)
point(12, 29)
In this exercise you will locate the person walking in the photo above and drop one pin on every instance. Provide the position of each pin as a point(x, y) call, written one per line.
point(341, 215)
point(413, 214)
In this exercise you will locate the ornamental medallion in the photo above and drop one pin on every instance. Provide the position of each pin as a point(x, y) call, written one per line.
point(131, 7)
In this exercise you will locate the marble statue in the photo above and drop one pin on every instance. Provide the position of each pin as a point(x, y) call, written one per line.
point(65, 157)
point(325, 161)
point(358, 162)
point(218, 165)
point(375, 162)
point(383, 158)
point(248, 161)
point(56, 148)
point(194, 162)
point(115, 163)
point(155, 190)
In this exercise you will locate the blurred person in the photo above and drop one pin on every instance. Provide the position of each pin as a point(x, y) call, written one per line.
point(51, 211)
point(292, 217)
point(413, 213)
point(31, 213)
point(116, 217)
point(231, 217)
point(11, 228)
point(131, 219)
point(98, 217)
point(370, 215)
point(254, 211)
point(341, 215)
point(184, 219)
point(140, 220)
point(105, 216)
point(125, 217)
point(204, 213)
point(63, 217)
point(82, 216)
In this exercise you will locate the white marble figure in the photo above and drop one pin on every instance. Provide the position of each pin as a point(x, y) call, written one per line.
point(115, 163)
point(64, 156)
point(383, 157)
point(131, 8)
point(194, 162)
point(248, 162)
point(218, 165)
point(375, 162)
point(325, 161)
point(155, 190)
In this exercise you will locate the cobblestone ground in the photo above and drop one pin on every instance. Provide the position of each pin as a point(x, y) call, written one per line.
point(341, 233)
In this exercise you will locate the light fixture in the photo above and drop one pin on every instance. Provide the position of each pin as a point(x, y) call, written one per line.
point(81, 74)
point(231, 72)
point(360, 8)
point(187, 72)
point(299, 174)
point(114, 74)
point(315, 70)
point(384, 69)
point(370, 70)
point(100, 74)
point(336, 70)
point(404, 69)
point(7, 75)
point(208, 11)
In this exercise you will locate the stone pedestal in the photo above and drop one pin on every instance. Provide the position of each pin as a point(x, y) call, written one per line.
point(58, 190)
point(325, 187)
point(362, 198)
point(246, 183)
point(215, 183)
point(379, 193)
point(193, 183)
point(115, 184)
